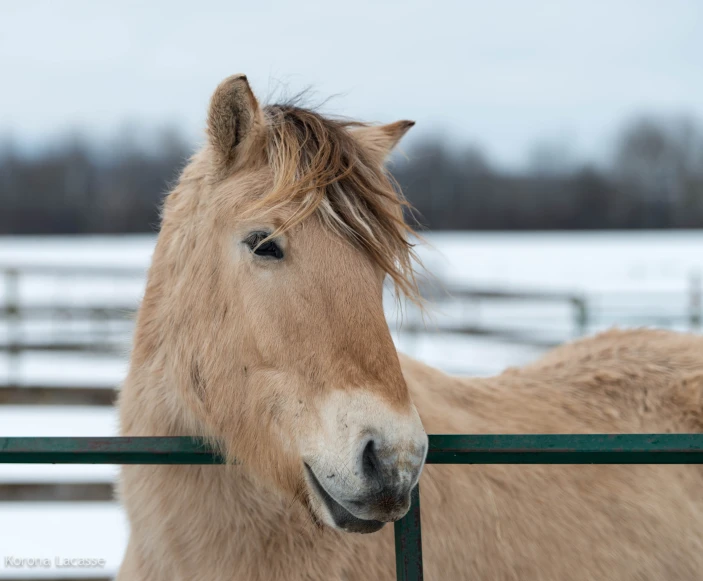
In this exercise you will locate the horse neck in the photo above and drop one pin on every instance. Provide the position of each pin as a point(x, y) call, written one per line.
point(233, 499)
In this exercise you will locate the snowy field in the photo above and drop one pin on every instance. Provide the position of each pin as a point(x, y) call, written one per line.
point(624, 275)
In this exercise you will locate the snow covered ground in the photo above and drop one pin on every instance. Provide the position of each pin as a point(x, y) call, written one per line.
point(574, 261)
point(96, 530)
point(624, 275)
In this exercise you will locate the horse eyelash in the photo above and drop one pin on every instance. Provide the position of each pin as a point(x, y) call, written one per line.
point(255, 238)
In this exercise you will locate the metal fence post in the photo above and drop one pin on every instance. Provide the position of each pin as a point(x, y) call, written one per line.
point(580, 315)
point(13, 325)
point(408, 542)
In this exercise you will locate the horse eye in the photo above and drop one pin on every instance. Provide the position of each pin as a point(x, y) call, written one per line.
point(268, 249)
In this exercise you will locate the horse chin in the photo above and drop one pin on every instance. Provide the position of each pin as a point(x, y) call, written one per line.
point(341, 517)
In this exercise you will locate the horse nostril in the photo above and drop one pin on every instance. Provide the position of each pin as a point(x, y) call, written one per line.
point(369, 461)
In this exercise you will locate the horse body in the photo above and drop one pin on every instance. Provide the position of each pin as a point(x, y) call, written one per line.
point(555, 522)
point(279, 354)
point(479, 522)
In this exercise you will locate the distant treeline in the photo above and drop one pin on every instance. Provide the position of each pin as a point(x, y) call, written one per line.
point(654, 179)
point(74, 187)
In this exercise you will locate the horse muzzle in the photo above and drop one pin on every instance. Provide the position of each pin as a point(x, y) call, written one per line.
point(376, 491)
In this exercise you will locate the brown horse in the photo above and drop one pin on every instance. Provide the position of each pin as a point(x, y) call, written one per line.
point(262, 330)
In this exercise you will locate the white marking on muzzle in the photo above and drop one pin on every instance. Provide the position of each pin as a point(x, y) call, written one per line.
point(349, 420)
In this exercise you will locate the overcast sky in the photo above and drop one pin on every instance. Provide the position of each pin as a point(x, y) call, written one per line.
point(501, 73)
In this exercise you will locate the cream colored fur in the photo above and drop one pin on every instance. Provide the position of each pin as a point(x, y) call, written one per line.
point(250, 356)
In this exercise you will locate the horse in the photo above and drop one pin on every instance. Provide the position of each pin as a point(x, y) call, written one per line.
point(262, 331)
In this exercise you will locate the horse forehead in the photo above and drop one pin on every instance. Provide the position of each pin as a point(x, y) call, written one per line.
point(327, 251)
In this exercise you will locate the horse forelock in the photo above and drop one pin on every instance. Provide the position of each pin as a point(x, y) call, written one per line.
point(320, 168)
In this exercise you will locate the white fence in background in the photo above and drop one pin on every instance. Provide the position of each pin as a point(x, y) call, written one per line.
point(65, 310)
point(86, 311)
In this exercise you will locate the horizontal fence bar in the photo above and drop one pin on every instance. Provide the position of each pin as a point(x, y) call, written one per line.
point(56, 396)
point(167, 450)
point(444, 449)
point(74, 270)
point(567, 449)
point(56, 492)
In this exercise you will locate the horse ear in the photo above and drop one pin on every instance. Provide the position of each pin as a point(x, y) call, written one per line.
point(233, 116)
point(381, 139)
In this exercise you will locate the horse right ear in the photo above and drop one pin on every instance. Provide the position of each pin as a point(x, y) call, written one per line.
point(233, 118)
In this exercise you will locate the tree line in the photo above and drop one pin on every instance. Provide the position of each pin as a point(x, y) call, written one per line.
point(653, 179)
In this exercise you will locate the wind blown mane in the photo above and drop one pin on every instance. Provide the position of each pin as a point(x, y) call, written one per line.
point(321, 168)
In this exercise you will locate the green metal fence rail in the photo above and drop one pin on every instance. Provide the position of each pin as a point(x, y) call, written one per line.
point(444, 449)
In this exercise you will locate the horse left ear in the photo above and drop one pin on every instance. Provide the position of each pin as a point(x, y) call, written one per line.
point(233, 119)
point(380, 140)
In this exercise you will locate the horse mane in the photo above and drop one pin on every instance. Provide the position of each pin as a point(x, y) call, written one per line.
point(320, 168)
